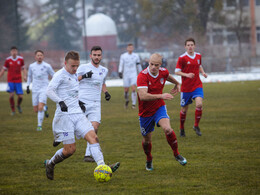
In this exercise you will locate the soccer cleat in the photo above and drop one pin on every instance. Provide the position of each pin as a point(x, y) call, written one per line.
point(46, 113)
point(126, 104)
point(12, 113)
point(55, 144)
point(114, 166)
point(181, 159)
point(182, 133)
point(197, 130)
point(19, 109)
point(49, 169)
point(133, 106)
point(88, 159)
point(39, 128)
point(149, 165)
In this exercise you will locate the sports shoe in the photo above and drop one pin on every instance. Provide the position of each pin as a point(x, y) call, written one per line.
point(181, 159)
point(19, 109)
point(89, 159)
point(182, 133)
point(133, 106)
point(149, 165)
point(126, 104)
point(114, 166)
point(39, 128)
point(12, 113)
point(197, 130)
point(55, 144)
point(49, 169)
point(46, 113)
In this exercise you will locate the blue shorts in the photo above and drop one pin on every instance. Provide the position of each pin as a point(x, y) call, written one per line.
point(147, 123)
point(187, 97)
point(17, 87)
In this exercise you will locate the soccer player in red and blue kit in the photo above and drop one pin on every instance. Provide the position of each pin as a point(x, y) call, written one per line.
point(152, 108)
point(14, 65)
point(189, 67)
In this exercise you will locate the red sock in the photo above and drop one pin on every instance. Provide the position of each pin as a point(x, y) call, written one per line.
point(182, 119)
point(198, 114)
point(172, 141)
point(19, 101)
point(147, 150)
point(11, 100)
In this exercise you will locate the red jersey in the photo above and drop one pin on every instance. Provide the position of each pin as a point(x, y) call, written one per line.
point(189, 64)
point(155, 85)
point(14, 67)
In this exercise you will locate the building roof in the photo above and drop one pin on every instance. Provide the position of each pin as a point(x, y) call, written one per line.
point(100, 25)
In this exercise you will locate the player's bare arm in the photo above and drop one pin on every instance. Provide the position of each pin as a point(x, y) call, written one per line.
point(2, 72)
point(203, 72)
point(177, 87)
point(24, 74)
point(145, 96)
point(188, 75)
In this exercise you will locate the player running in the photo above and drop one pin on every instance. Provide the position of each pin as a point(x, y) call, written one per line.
point(69, 119)
point(14, 65)
point(38, 74)
point(188, 67)
point(152, 108)
point(92, 77)
point(128, 67)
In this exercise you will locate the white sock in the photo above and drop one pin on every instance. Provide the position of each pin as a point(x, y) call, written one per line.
point(87, 153)
point(97, 153)
point(133, 97)
point(40, 117)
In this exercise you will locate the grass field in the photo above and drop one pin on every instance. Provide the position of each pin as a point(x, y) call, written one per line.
point(224, 160)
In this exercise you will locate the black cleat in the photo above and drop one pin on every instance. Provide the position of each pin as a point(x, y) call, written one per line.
point(197, 130)
point(149, 165)
point(55, 144)
point(49, 169)
point(182, 133)
point(114, 166)
point(181, 159)
point(88, 159)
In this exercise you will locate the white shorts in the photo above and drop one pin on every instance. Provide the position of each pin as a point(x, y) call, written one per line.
point(38, 97)
point(93, 111)
point(129, 81)
point(66, 126)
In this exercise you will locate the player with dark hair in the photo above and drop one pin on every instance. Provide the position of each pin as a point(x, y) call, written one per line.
point(14, 65)
point(189, 67)
point(38, 74)
point(152, 108)
point(92, 78)
point(69, 121)
point(128, 67)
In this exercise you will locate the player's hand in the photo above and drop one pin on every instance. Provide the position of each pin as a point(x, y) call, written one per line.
point(167, 96)
point(175, 90)
point(107, 96)
point(82, 106)
point(87, 75)
point(120, 74)
point(27, 90)
point(63, 106)
point(205, 75)
point(190, 75)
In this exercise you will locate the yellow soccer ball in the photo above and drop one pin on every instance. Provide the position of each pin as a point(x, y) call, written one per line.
point(102, 173)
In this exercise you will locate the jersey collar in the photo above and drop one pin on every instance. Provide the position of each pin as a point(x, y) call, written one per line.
point(192, 57)
point(152, 74)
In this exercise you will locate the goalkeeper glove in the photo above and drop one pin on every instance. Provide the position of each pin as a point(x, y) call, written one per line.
point(107, 96)
point(87, 75)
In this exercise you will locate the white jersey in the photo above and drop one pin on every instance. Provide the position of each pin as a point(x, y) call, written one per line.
point(129, 64)
point(38, 74)
point(90, 88)
point(64, 87)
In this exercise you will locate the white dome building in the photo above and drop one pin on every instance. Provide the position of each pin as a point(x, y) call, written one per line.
point(101, 30)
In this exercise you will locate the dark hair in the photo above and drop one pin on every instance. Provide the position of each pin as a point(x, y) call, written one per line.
point(189, 39)
point(13, 47)
point(96, 48)
point(72, 55)
point(38, 50)
point(130, 44)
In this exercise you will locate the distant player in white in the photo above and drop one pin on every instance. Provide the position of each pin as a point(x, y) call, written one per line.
point(69, 119)
point(38, 74)
point(128, 67)
point(92, 77)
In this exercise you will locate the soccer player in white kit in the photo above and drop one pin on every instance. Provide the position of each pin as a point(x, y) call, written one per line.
point(128, 67)
point(38, 74)
point(92, 77)
point(69, 119)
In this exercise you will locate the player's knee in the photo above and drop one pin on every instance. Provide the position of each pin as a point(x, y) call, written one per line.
point(69, 151)
point(168, 130)
point(199, 106)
